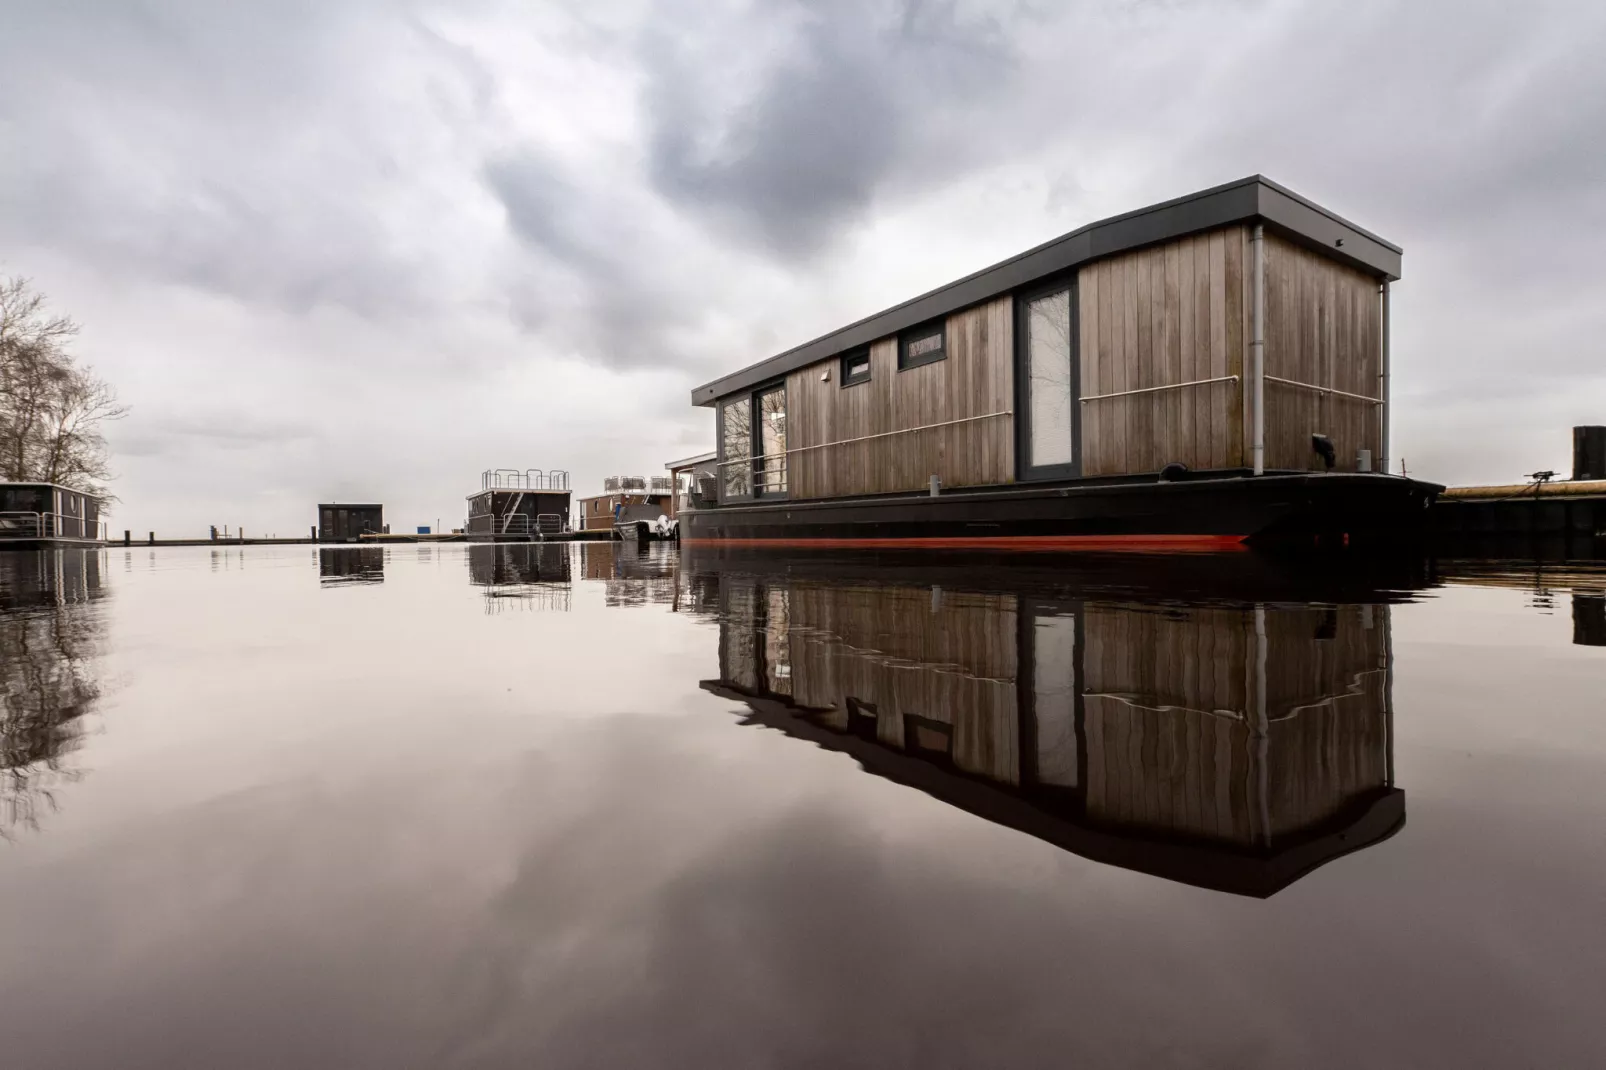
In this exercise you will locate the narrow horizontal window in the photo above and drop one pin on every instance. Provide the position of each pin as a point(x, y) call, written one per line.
point(856, 367)
point(923, 345)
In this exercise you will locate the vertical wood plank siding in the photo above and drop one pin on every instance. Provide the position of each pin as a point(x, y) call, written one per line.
point(1174, 741)
point(1171, 718)
point(1324, 327)
point(953, 662)
point(1161, 316)
point(976, 379)
point(1170, 314)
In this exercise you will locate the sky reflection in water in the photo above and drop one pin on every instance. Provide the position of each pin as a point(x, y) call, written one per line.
point(595, 806)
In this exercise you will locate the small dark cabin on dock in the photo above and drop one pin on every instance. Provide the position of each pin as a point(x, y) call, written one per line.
point(44, 514)
point(518, 506)
point(349, 523)
point(1207, 369)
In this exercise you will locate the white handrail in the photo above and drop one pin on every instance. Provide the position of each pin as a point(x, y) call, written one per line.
point(880, 434)
point(36, 525)
point(1154, 389)
point(1323, 389)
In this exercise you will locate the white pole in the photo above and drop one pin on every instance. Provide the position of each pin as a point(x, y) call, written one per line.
point(1257, 356)
point(1383, 385)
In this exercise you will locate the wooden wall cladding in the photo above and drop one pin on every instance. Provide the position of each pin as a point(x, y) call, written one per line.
point(1324, 327)
point(1234, 725)
point(1171, 705)
point(1174, 313)
point(976, 380)
point(950, 661)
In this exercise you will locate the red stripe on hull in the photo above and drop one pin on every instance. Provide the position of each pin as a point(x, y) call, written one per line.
point(1169, 543)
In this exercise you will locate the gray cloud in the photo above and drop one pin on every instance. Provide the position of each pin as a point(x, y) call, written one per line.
point(852, 98)
point(252, 151)
point(376, 216)
point(209, 430)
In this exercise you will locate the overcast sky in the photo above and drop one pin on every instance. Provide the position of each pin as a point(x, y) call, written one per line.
point(362, 250)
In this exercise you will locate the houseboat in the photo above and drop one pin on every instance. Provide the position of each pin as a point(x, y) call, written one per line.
point(1198, 374)
point(343, 522)
point(44, 515)
point(515, 505)
point(1229, 742)
point(627, 500)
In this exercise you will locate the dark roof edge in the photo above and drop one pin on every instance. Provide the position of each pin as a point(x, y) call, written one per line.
point(1255, 197)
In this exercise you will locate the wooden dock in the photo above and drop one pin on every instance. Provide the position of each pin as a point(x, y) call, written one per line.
point(150, 539)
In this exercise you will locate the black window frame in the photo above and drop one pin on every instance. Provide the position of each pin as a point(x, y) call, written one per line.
point(851, 357)
point(938, 327)
point(1025, 471)
point(754, 442)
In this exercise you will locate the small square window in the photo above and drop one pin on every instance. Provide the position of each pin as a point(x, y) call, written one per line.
point(925, 344)
point(856, 367)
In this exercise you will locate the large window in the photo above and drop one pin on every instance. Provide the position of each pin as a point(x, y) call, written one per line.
point(736, 448)
point(922, 345)
point(769, 466)
point(1048, 424)
point(752, 444)
point(1048, 365)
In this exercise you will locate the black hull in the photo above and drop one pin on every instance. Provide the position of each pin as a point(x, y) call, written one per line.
point(1216, 512)
point(1237, 579)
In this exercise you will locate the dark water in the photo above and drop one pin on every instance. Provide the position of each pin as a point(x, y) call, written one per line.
point(586, 806)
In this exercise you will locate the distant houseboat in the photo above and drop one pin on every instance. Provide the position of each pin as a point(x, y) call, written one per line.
point(349, 523)
point(42, 515)
point(1197, 374)
point(627, 500)
point(518, 506)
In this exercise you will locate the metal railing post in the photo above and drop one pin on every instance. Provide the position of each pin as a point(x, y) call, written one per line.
point(1257, 356)
point(1383, 385)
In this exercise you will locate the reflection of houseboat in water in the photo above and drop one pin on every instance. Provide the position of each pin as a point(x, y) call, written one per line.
point(43, 515)
point(518, 506)
point(1230, 744)
point(50, 632)
point(351, 565)
point(1195, 374)
point(632, 573)
point(530, 575)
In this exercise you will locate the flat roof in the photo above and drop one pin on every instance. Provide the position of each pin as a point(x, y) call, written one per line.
point(57, 486)
point(350, 505)
point(688, 462)
point(515, 490)
point(1255, 198)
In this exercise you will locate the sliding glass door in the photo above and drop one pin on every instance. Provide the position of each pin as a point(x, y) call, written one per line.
point(769, 464)
point(752, 445)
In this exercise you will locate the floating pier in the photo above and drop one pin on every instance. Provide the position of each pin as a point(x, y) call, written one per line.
point(1571, 512)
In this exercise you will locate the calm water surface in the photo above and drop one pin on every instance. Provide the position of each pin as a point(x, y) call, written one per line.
point(593, 806)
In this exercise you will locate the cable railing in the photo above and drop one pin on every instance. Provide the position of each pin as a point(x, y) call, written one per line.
point(528, 479)
point(32, 525)
point(638, 485)
point(516, 525)
point(757, 476)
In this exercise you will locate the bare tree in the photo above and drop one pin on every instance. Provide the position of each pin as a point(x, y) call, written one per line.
point(51, 408)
